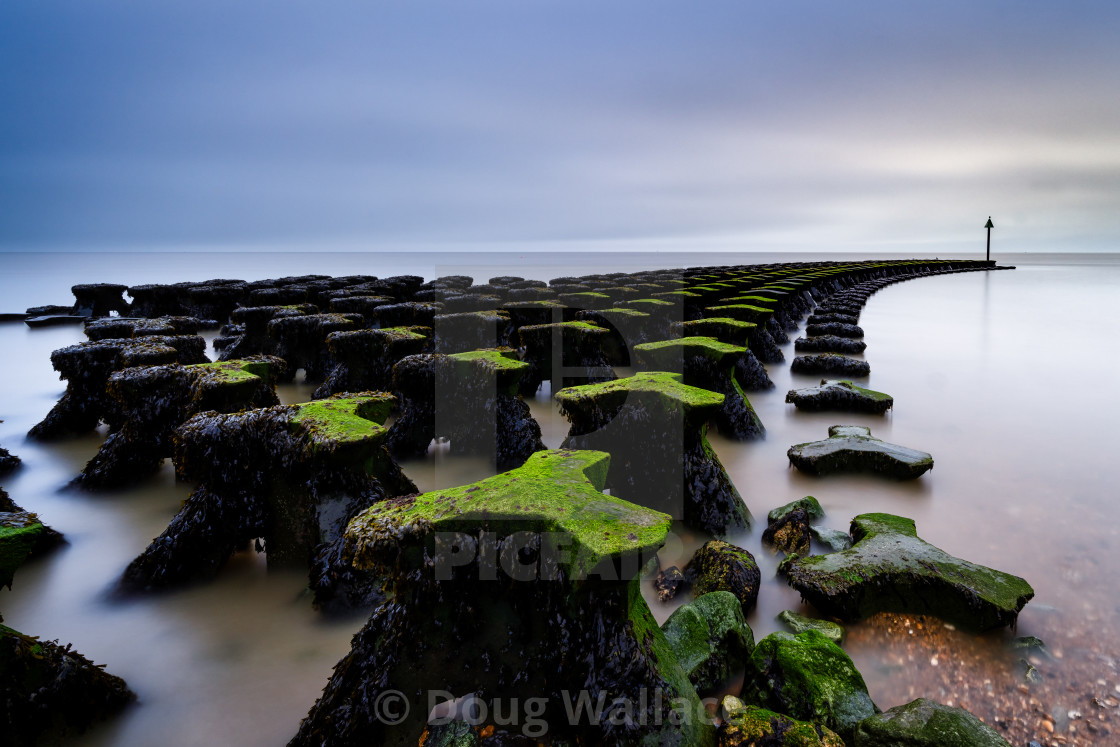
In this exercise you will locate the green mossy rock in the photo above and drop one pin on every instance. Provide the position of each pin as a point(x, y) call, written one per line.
point(721, 566)
point(923, 723)
point(751, 726)
point(808, 677)
point(20, 534)
point(711, 638)
point(725, 329)
point(890, 569)
point(799, 624)
point(851, 448)
point(840, 395)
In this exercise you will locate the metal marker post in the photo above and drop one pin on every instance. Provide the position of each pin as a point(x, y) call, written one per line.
point(989, 225)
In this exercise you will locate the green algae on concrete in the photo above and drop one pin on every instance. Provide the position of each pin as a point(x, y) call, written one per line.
point(751, 726)
point(890, 569)
point(709, 364)
point(840, 395)
point(711, 638)
point(654, 425)
point(924, 723)
point(564, 353)
point(291, 474)
point(851, 448)
point(799, 623)
point(556, 491)
point(725, 329)
point(576, 623)
point(20, 534)
point(152, 401)
point(808, 677)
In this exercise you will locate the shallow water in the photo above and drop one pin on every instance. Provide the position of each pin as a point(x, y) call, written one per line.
point(1004, 377)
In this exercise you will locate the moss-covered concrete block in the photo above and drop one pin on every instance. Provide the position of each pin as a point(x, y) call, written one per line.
point(469, 398)
point(301, 341)
point(654, 425)
point(565, 354)
point(924, 723)
point(808, 677)
point(709, 364)
point(534, 574)
point(363, 359)
point(153, 401)
point(86, 368)
point(851, 448)
point(840, 395)
point(890, 569)
point(291, 474)
point(711, 638)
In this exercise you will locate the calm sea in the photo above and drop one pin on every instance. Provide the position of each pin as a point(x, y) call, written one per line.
point(1005, 377)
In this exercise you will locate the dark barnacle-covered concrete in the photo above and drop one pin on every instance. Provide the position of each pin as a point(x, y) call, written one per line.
point(470, 330)
point(155, 400)
point(828, 344)
point(627, 328)
point(521, 585)
point(709, 364)
point(836, 329)
point(840, 395)
point(830, 363)
point(86, 368)
point(406, 314)
point(566, 354)
point(364, 358)
point(99, 299)
point(8, 461)
point(248, 334)
point(50, 692)
point(292, 475)
point(851, 448)
point(469, 398)
point(654, 426)
point(302, 341)
point(118, 328)
point(890, 569)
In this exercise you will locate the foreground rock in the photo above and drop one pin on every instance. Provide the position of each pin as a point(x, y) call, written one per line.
point(923, 723)
point(50, 691)
point(654, 427)
point(711, 638)
point(153, 401)
point(830, 363)
point(293, 475)
point(787, 527)
point(840, 395)
point(721, 566)
point(22, 537)
point(708, 364)
point(751, 726)
point(890, 569)
point(534, 575)
point(810, 678)
point(851, 448)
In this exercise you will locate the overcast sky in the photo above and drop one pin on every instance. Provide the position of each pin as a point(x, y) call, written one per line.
point(856, 126)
